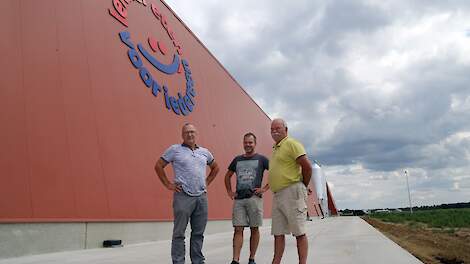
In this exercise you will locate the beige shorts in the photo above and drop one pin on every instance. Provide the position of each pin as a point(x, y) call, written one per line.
point(289, 210)
point(248, 212)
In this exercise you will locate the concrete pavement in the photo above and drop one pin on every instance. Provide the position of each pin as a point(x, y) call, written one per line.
point(334, 240)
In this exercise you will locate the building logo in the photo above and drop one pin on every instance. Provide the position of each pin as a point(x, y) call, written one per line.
point(181, 104)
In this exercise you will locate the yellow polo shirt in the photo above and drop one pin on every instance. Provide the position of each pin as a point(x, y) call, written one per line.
point(283, 168)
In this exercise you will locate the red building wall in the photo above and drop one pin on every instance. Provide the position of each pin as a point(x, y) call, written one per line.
point(80, 131)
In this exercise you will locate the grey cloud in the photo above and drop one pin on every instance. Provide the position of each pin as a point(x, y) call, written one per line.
point(295, 66)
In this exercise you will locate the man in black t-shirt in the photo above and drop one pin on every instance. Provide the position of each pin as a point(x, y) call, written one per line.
point(248, 204)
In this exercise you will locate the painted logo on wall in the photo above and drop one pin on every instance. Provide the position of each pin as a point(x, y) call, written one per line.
point(182, 103)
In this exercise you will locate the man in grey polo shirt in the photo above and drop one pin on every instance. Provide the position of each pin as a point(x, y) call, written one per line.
point(189, 198)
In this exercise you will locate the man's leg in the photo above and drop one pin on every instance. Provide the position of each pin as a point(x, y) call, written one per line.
point(279, 245)
point(182, 207)
point(237, 242)
point(198, 226)
point(302, 248)
point(255, 216)
point(254, 241)
point(239, 221)
point(297, 221)
point(279, 227)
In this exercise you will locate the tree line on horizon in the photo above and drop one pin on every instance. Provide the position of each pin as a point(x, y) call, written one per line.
point(407, 209)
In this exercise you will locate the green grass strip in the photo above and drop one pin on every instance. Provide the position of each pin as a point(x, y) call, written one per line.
point(440, 218)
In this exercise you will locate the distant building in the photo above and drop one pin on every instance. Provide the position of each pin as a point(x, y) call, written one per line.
point(324, 202)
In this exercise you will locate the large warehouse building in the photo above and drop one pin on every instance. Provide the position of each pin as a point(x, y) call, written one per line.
point(91, 94)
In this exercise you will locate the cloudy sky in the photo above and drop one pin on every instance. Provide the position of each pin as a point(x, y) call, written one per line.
point(370, 87)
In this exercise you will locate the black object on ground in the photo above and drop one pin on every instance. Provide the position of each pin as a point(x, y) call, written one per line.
point(112, 243)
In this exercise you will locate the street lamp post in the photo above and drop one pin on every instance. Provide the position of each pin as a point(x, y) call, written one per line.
point(409, 194)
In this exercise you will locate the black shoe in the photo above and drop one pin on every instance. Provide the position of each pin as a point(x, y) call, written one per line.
point(234, 262)
point(251, 261)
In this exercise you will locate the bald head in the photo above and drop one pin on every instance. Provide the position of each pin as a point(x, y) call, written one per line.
point(278, 129)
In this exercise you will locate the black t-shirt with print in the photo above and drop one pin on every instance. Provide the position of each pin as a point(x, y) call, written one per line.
point(249, 171)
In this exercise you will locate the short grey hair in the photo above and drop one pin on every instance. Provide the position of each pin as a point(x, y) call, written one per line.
point(284, 123)
point(185, 125)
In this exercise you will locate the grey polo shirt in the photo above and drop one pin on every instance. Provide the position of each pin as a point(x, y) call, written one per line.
point(189, 167)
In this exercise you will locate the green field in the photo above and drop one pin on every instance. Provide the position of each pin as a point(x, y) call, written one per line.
point(439, 218)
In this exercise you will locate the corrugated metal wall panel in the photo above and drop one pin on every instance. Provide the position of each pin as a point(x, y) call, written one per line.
point(80, 130)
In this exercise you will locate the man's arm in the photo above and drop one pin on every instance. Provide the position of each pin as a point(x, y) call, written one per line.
point(306, 169)
point(266, 187)
point(214, 170)
point(266, 168)
point(262, 190)
point(159, 169)
point(228, 184)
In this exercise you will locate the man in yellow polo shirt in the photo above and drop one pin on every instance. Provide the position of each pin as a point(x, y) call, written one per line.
point(289, 174)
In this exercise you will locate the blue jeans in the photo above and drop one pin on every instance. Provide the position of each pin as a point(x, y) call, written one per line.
point(186, 209)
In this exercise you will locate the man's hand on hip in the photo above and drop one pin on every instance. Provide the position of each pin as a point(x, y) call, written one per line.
point(174, 187)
